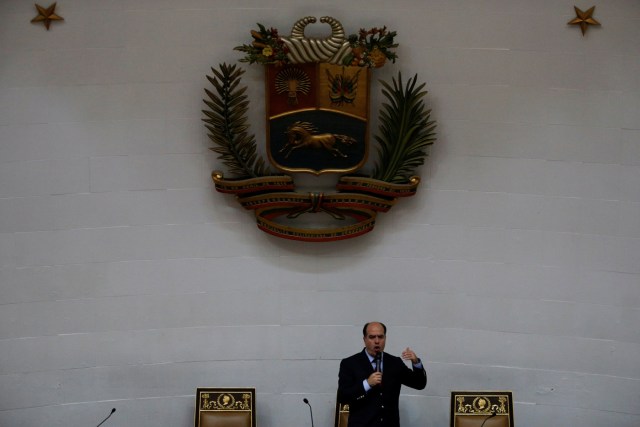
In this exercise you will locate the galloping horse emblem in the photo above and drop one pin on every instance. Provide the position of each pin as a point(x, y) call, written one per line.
point(304, 135)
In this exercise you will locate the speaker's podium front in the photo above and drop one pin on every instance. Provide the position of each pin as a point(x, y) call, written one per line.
point(225, 407)
point(481, 409)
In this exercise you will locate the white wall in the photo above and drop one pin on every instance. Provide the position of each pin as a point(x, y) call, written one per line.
point(126, 281)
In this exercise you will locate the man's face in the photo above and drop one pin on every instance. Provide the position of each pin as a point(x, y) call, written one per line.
point(374, 339)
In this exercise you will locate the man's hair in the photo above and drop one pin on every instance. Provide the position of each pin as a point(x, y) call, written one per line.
point(366, 325)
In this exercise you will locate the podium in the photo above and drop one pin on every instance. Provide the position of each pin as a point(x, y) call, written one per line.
point(225, 407)
point(481, 409)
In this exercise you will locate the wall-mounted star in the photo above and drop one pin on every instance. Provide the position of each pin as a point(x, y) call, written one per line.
point(47, 15)
point(584, 19)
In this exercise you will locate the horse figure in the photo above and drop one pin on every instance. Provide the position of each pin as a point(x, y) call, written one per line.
point(304, 135)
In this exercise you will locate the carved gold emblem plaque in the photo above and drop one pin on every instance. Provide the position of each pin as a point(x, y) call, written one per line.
point(317, 123)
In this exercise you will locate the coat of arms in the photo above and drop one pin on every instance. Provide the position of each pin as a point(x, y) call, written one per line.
point(317, 104)
point(318, 116)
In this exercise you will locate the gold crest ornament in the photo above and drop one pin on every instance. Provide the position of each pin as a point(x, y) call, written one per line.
point(317, 105)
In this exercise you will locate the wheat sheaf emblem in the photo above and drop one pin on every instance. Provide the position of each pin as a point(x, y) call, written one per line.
point(293, 81)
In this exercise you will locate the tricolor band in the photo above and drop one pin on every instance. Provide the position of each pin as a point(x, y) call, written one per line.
point(273, 197)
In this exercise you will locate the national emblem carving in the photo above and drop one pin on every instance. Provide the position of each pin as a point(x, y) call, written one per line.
point(317, 107)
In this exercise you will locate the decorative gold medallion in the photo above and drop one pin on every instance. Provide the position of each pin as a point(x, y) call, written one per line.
point(317, 107)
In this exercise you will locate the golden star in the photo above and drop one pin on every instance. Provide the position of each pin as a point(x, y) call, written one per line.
point(584, 19)
point(47, 15)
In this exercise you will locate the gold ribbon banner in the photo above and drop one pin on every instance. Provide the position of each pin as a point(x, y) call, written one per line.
point(365, 221)
point(273, 197)
point(377, 187)
point(316, 202)
point(270, 206)
point(252, 185)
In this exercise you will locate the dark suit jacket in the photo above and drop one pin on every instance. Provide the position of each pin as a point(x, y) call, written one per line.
point(378, 406)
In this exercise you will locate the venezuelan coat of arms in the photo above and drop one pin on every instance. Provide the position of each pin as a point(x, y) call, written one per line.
point(317, 122)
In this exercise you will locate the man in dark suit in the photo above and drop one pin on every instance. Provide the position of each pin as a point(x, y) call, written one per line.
point(370, 381)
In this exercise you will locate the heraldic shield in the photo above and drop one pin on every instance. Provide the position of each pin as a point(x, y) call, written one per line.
point(317, 122)
point(318, 116)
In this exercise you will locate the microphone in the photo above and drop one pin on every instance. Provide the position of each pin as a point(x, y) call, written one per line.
point(108, 416)
point(379, 365)
point(493, 414)
point(305, 400)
